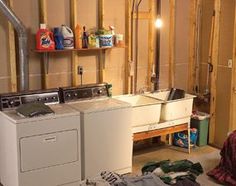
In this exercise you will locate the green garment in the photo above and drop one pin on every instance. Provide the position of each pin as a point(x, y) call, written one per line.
point(176, 170)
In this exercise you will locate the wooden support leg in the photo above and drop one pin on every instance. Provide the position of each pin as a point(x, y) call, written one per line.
point(189, 138)
point(170, 139)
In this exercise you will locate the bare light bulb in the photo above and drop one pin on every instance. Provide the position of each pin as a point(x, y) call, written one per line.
point(158, 23)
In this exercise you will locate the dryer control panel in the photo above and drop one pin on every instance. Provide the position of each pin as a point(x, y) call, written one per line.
point(13, 100)
point(83, 92)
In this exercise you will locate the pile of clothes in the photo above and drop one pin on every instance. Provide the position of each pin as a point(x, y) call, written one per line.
point(225, 172)
point(182, 172)
point(163, 173)
point(107, 178)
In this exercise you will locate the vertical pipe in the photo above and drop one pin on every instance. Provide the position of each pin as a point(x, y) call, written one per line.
point(158, 37)
point(23, 47)
point(136, 46)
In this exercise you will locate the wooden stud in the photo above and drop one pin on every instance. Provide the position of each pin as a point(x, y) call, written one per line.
point(215, 59)
point(101, 57)
point(151, 17)
point(43, 19)
point(145, 15)
point(74, 54)
point(12, 53)
point(43, 11)
point(232, 116)
point(127, 44)
point(192, 45)
point(172, 44)
point(100, 14)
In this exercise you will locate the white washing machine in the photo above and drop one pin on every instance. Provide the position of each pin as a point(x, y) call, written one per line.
point(106, 142)
point(42, 150)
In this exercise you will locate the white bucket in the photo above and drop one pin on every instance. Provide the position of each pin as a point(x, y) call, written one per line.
point(106, 40)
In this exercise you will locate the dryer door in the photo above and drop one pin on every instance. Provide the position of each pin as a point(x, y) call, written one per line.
point(47, 150)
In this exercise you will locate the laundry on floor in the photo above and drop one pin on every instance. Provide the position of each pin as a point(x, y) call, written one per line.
point(172, 172)
point(225, 172)
point(107, 178)
point(178, 173)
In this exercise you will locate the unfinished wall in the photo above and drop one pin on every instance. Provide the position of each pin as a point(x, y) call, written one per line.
point(223, 84)
point(206, 19)
point(5, 69)
point(182, 43)
point(60, 72)
point(164, 45)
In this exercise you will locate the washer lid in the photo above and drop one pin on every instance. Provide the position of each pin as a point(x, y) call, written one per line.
point(98, 105)
point(60, 110)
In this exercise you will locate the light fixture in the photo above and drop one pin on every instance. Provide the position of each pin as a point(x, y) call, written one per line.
point(158, 22)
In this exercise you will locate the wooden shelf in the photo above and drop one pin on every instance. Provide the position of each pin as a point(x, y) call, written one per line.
point(81, 49)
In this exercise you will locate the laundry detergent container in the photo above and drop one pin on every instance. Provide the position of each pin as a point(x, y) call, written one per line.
point(173, 109)
point(145, 110)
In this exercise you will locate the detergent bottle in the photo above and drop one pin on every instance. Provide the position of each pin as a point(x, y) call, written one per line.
point(78, 37)
point(44, 39)
point(68, 37)
point(58, 37)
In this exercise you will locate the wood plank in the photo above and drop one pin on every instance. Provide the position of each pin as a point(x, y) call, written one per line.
point(159, 132)
point(74, 54)
point(101, 57)
point(213, 75)
point(145, 15)
point(100, 14)
point(232, 123)
point(172, 44)
point(128, 44)
point(43, 19)
point(192, 44)
point(12, 53)
point(150, 42)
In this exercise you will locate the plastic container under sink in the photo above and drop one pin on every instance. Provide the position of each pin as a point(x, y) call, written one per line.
point(173, 109)
point(145, 110)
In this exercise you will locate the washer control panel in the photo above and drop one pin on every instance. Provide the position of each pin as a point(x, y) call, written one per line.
point(13, 100)
point(83, 92)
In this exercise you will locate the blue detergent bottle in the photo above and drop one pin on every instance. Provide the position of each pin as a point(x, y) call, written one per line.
point(58, 37)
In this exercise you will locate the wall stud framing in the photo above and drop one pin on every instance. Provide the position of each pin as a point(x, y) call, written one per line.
point(232, 124)
point(172, 44)
point(74, 54)
point(43, 19)
point(12, 53)
point(215, 59)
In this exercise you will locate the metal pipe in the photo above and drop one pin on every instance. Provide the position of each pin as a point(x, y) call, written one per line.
point(136, 47)
point(158, 38)
point(22, 41)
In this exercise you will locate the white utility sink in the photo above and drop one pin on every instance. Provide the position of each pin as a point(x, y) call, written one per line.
point(173, 109)
point(145, 110)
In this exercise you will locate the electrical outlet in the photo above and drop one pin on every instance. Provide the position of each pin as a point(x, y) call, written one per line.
point(80, 70)
point(230, 63)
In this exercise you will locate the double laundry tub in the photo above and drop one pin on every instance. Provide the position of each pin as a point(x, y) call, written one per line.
point(154, 108)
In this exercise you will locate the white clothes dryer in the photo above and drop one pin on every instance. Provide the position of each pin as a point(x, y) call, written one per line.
point(106, 142)
point(39, 151)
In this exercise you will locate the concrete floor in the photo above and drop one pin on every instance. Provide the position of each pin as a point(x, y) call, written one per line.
point(208, 157)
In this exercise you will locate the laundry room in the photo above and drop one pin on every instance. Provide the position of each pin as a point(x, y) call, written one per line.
point(117, 93)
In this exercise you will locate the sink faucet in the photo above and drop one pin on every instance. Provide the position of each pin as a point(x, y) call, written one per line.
point(142, 90)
